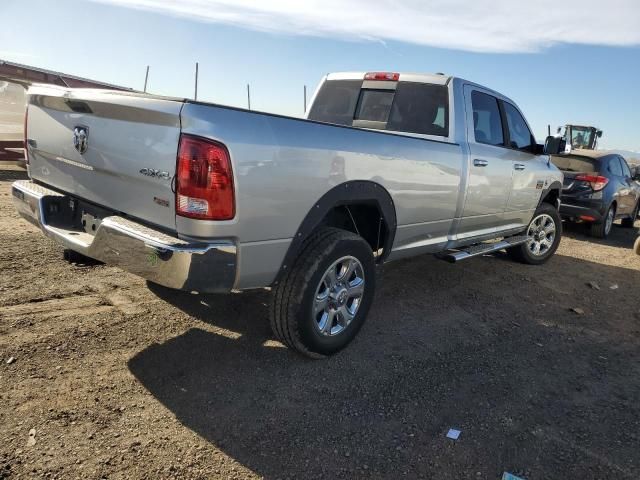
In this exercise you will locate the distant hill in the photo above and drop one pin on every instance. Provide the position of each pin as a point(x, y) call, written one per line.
point(633, 158)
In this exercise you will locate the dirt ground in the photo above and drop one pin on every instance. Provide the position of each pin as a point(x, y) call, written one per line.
point(114, 378)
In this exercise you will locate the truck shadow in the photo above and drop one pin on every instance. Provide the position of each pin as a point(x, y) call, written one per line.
point(619, 236)
point(521, 375)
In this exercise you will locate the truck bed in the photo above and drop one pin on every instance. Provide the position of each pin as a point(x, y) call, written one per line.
point(281, 167)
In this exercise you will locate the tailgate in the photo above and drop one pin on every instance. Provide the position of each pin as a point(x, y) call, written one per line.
point(115, 149)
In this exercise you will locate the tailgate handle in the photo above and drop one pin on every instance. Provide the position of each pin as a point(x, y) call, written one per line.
point(480, 163)
point(78, 106)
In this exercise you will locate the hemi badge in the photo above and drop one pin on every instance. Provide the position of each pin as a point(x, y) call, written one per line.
point(161, 201)
point(539, 185)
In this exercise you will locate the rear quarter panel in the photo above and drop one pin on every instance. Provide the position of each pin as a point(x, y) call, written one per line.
point(282, 166)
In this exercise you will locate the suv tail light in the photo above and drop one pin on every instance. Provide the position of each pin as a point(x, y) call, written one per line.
point(26, 138)
point(382, 76)
point(597, 182)
point(204, 180)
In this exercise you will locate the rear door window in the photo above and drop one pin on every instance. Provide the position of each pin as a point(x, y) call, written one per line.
point(336, 102)
point(487, 123)
point(626, 172)
point(614, 167)
point(519, 133)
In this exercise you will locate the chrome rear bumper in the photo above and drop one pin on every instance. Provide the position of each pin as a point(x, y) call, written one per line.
point(149, 253)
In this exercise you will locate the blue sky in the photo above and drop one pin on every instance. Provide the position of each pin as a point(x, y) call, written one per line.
point(544, 62)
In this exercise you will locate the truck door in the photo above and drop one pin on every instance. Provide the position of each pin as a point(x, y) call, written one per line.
point(528, 175)
point(490, 165)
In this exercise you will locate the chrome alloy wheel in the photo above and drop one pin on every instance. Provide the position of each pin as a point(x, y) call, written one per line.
point(609, 221)
point(541, 233)
point(338, 296)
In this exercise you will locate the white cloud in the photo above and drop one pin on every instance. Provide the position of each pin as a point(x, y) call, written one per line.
point(474, 25)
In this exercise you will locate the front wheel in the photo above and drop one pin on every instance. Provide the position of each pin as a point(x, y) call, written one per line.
point(322, 302)
point(544, 232)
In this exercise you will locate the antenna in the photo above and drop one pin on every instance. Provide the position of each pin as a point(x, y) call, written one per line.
point(146, 79)
point(195, 94)
point(248, 97)
point(305, 99)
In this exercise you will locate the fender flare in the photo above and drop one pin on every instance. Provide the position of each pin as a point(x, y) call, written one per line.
point(555, 185)
point(357, 191)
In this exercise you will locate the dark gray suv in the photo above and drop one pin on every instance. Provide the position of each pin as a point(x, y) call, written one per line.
point(598, 188)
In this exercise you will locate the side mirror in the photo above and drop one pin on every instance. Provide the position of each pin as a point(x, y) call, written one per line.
point(555, 145)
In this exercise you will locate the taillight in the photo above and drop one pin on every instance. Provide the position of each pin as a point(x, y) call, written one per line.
point(204, 180)
point(382, 76)
point(26, 141)
point(597, 182)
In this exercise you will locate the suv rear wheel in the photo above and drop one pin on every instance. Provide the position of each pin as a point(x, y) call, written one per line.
point(603, 229)
point(322, 302)
point(544, 232)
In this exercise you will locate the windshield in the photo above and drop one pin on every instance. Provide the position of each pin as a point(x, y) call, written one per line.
point(582, 137)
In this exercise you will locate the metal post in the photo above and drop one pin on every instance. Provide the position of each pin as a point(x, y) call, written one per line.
point(305, 99)
point(248, 97)
point(195, 94)
point(146, 79)
point(548, 130)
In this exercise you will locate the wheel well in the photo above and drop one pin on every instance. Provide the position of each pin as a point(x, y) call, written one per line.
point(364, 219)
point(360, 206)
point(552, 197)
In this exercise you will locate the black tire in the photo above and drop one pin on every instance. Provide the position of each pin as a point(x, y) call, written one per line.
point(79, 259)
point(293, 297)
point(524, 254)
point(72, 256)
point(603, 229)
point(630, 222)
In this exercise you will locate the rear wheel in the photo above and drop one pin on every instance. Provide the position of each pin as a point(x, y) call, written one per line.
point(630, 222)
point(603, 228)
point(322, 302)
point(544, 232)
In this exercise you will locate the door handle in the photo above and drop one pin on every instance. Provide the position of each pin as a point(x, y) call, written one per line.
point(480, 163)
point(519, 166)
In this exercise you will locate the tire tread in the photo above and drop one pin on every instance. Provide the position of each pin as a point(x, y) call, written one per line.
point(288, 292)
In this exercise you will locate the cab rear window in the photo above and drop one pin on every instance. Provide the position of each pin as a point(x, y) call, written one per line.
point(336, 102)
point(412, 107)
point(420, 108)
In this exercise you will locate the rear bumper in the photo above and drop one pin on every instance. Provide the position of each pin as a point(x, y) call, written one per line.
point(149, 253)
point(575, 211)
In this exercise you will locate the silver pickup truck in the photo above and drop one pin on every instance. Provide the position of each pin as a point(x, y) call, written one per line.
point(210, 198)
